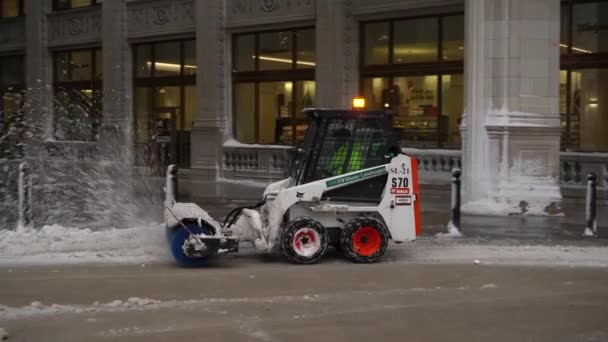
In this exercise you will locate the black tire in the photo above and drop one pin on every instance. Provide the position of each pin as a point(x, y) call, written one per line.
point(364, 240)
point(304, 241)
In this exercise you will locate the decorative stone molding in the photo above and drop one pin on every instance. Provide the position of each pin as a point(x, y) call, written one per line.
point(78, 26)
point(361, 7)
point(160, 17)
point(256, 12)
point(12, 34)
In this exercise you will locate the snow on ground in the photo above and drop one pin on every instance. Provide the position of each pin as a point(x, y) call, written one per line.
point(55, 244)
point(500, 252)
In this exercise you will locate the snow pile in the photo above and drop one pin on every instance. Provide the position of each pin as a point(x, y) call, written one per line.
point(56, 244)
point(459, 251)
point(453, 231)
point(189, 210)
point(37, 309)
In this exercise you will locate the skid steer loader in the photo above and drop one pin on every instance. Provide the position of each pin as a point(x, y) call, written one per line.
point(350, 187)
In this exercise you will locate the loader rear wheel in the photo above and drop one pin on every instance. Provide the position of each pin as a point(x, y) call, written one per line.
point(304, 241)
point(364, 240)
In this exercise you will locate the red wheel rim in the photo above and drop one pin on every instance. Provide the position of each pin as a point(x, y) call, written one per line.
point(306, 242)
point(367, 241)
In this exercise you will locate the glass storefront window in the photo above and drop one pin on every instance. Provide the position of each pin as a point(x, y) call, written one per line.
point(452, 107)
point(67, 4)
point(275, 112)
point(376, 39)
point(415, 95)
point(305, 96)
point(453, 38)
point(143, 61)
point(563, 32)
point(11, 71)
point(77, 114)
point(12, 83)
point(80, 64)
point(167, 61)
point(189, 57)
point(10, 8)
point(244, 112)
point(589, 34)
point(165, 102)
point(268, 97)
point(427, 109)
point(415, 40)
point(77, 101)
point(306, 55)
point(376, 91)
point(589, 108)
point(244, 53)
point(584, 75)
point(275, 50)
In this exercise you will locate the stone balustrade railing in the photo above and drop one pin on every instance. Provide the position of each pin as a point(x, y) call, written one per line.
point(575, 166)
point(270, 163)
point(255, 162)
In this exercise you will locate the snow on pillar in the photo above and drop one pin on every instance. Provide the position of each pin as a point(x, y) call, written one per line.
point(116, 131)
point(337, 47)
point(511, 128)
point(212, 59)
point(38, 111)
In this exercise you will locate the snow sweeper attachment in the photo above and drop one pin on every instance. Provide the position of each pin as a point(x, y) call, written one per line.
point(350, 187)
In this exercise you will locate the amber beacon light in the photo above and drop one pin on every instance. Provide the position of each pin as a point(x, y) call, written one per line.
point(358, 103)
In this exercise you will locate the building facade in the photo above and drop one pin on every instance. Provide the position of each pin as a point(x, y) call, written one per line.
point(514, 91)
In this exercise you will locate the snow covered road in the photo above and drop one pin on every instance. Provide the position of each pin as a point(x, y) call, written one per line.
point(268, 300)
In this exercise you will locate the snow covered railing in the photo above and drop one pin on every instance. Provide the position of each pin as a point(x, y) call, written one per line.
point(255, 162)
point(435, 166)
point(574, 167)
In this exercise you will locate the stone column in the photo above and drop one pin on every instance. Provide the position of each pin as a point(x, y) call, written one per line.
point(116, 134)
point(212, 97)
point(38, 110)
point(511, 129)
point(337, 46)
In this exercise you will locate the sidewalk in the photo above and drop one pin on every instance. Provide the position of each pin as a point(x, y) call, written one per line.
point(534, 229)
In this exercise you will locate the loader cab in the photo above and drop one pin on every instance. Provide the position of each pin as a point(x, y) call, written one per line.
point(343, 141)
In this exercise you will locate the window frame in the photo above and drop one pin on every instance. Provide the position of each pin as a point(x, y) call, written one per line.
point(21, 9)
point(570, 62)
point(391, 70)
point(56, 6)
point(257, 76)
point(93, 84)
point(13, 88)
point(153, 82)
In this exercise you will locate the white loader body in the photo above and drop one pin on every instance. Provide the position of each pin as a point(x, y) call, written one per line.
point(398, 208)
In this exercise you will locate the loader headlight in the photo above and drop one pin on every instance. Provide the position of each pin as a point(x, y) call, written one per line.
point(358, 103)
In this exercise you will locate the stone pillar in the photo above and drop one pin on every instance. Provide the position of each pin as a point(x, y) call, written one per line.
point(116, 134)
point(337, 46)
point(212, 96)
point(38, 111)
point(511, 128)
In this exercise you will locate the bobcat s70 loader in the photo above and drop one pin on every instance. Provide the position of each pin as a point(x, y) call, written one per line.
point(350, 187)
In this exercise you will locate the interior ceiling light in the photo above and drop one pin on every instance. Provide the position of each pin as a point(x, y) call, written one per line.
point(170, 66)
point(284, 60)
point(576, 49)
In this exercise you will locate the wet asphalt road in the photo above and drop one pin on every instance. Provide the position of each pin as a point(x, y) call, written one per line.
point(253, 299)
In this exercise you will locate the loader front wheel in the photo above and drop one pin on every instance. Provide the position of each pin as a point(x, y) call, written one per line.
point(304, 241)
point(178, 236)
point(364, 240)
